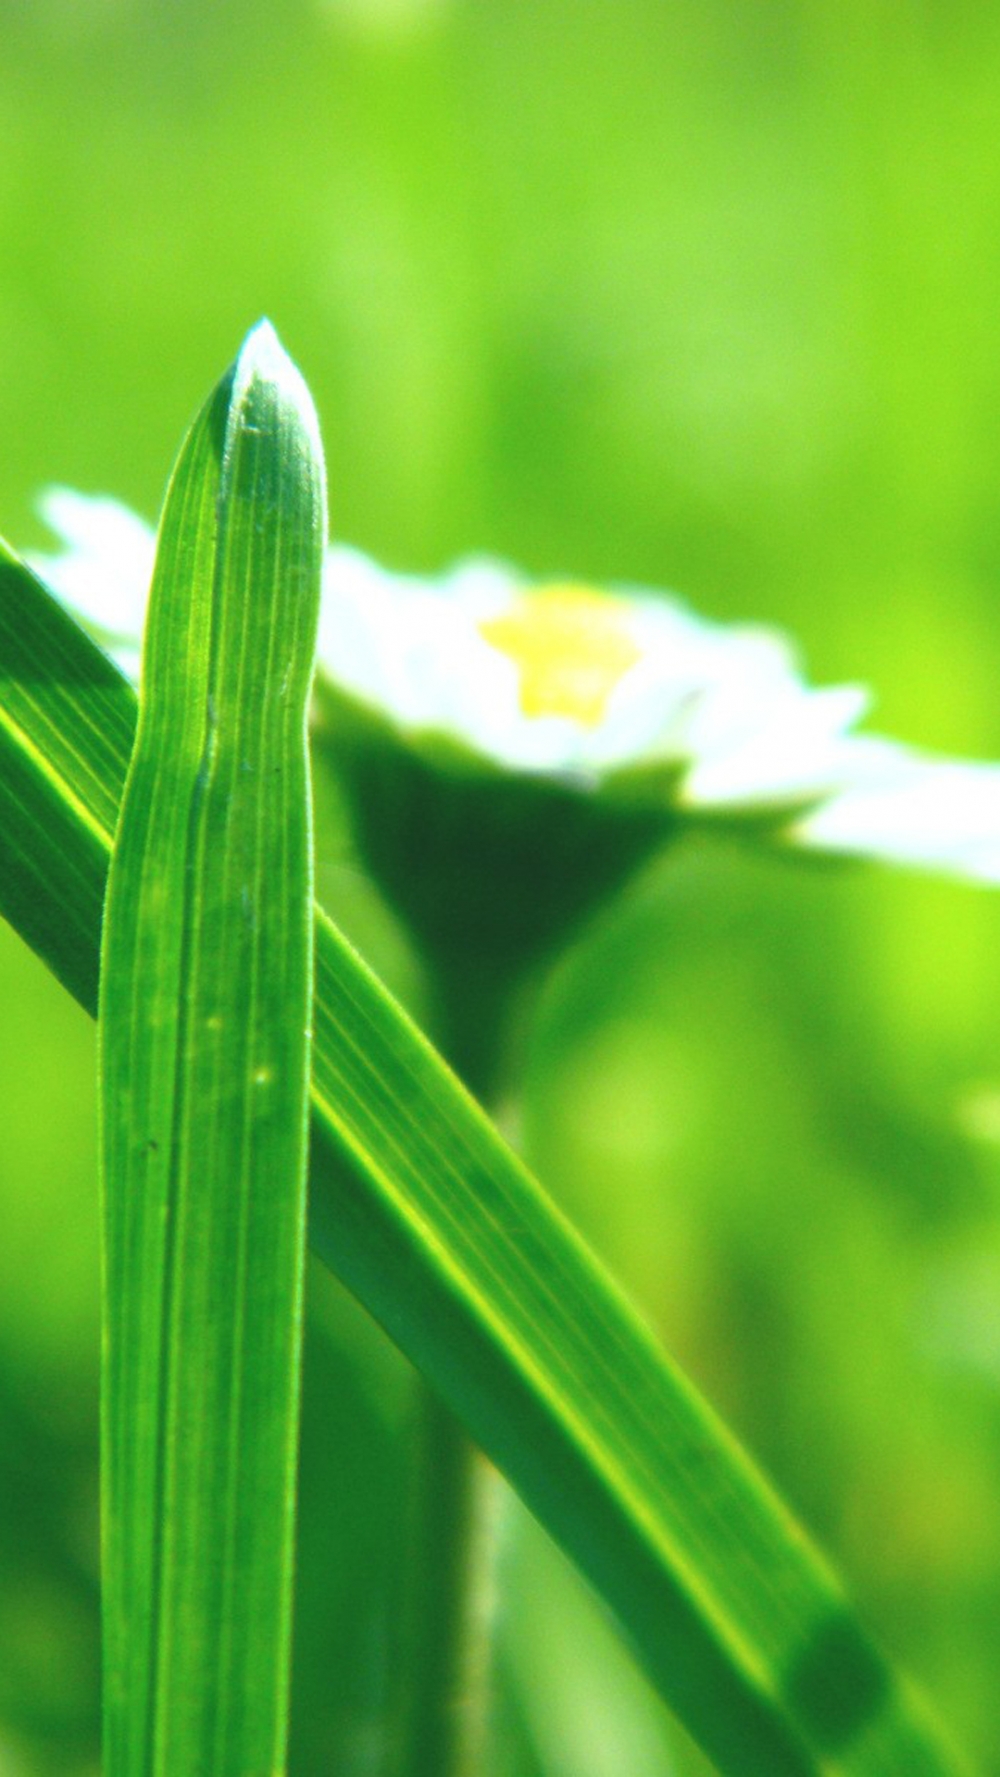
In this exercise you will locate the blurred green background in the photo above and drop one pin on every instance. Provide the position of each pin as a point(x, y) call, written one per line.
point(698, 294)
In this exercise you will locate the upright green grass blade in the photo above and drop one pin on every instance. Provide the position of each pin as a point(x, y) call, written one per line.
point(205, 994)
point(420, 1208)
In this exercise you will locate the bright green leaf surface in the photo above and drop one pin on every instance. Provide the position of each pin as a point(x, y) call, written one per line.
point(205, 996)
point(421, 1209)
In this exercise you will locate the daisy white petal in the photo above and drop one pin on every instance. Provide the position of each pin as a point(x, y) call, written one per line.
point(104, 573)
point(793, 746)
point(909, 808)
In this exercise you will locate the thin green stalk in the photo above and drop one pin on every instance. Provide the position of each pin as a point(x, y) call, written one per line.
point(450, 1604)
point(451, 1583)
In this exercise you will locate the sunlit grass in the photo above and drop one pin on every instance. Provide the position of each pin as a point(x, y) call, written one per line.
point(420, 1209)
point(664, 291)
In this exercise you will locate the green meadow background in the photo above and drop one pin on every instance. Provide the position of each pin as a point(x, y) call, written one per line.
point(700, 293)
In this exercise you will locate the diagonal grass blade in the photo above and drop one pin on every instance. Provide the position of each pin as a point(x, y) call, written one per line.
point(420, 1208)
point(205, 997)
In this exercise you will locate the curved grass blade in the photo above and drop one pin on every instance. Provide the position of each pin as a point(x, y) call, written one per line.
point(205, 997)
point(420, 1208)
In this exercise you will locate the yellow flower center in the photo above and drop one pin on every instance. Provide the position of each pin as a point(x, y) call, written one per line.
point(571, 647)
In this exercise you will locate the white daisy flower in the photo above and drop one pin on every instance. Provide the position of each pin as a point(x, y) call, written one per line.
point(622, 690)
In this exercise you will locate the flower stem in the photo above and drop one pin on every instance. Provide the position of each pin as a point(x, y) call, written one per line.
point(450, 1614)
point(452, 1551)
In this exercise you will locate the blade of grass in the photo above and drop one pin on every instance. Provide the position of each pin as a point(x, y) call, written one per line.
point(205, 997)
point(424, 1213)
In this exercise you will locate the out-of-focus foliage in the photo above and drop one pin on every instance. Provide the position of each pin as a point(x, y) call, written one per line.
point(697, 294)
